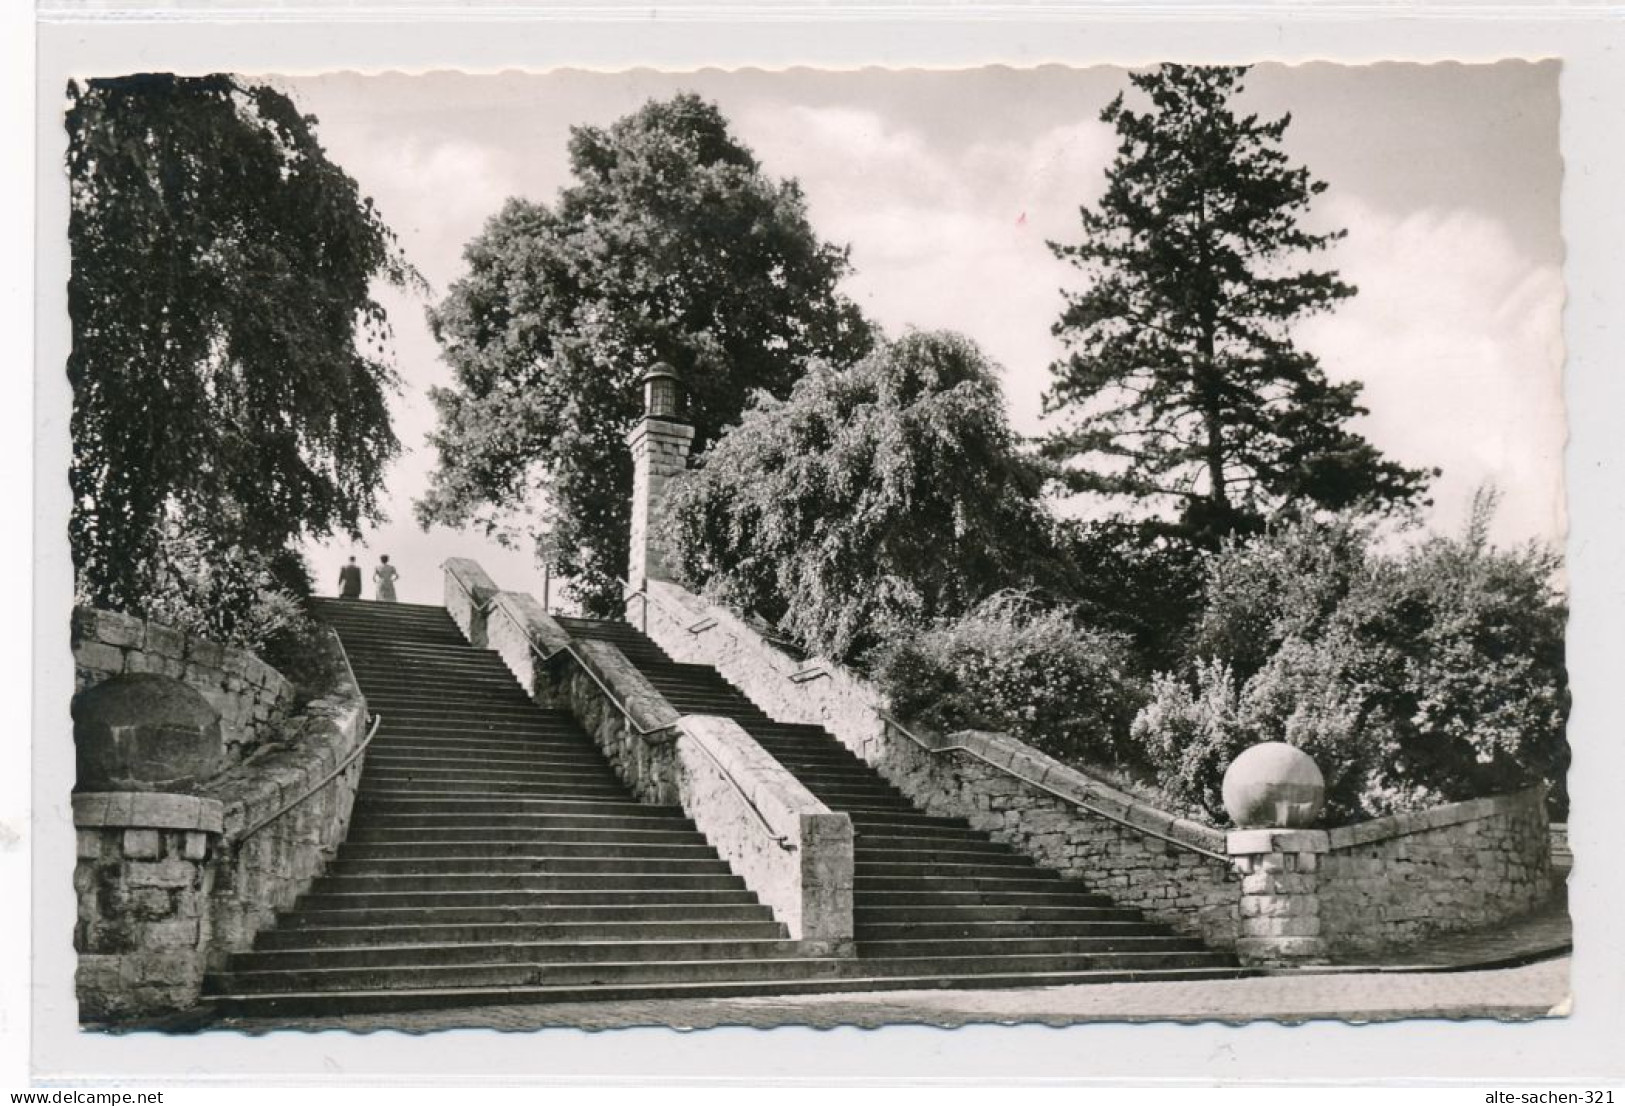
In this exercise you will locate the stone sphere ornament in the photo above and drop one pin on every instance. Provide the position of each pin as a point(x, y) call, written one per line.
point(1274, 785)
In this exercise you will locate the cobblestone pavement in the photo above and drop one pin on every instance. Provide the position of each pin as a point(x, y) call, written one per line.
point(1542, 934)
point(1530, 991)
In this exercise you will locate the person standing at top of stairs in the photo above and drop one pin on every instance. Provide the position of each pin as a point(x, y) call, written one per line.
point(384, 576)
point(350, 581)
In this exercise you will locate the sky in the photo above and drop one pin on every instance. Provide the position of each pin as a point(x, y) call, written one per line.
point(946, 186)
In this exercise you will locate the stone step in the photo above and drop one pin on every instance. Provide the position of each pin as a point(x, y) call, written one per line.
point(469, 743)
point(349, 898)
point(430, 786)
point(475, 667)
point(440, 955)
point(980, 945)
point(944, 863)
point(329, 604)
point(913, 822)
point(989, 880)
point(289, 1004)
point(479, 821)
point(533, 863)
point(345, 883)
point(875, 842)
point(475, 802)
point(474, 703)
point(605, 832)
point(883, 932)
point(383, 644)
point(947, 898)
point(349, 912)
point(625, 972)
point(567, 783)
point(966, 909)
point(518, 932)
point(391, 679)
point(506, 766)
point(496, 849)
point(428, 710)
point(470, 733)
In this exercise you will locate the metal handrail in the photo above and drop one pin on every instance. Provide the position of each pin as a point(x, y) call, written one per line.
point(696, 628)
point(779, 839)
point(1048, 790)
point(327, 779)
point(479, 608)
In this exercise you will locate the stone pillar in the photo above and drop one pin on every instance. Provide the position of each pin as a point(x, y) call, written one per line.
point(659, 445)
point(468, 596)
point(143, 879)
point(1280, 900)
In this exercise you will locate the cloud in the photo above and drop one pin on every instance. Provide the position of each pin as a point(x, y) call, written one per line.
point(1456, 332)
point(1457, 336)
point(940, 238)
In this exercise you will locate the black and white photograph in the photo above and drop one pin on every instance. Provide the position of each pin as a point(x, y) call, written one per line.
point(709, 548)
point(731, 547)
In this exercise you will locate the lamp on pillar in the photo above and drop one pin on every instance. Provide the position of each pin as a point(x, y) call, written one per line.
point(663, 393)
point(659, 444)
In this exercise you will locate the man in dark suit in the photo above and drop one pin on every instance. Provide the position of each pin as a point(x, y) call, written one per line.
point(350, 581)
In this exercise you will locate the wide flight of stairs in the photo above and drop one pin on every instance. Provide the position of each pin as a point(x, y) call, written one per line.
point(931, 889)
point(494, 857)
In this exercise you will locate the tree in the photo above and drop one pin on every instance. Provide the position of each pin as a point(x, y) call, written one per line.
point(672, 245)
point(874, 499)
point(228, 372)
point(1184, 384)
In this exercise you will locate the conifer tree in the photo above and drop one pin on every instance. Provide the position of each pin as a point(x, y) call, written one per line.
point(1182, 380)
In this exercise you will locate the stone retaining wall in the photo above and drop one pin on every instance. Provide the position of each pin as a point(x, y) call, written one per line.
point(168, 887)
point(251, 696)
point(969, 775)
point(1395, 880)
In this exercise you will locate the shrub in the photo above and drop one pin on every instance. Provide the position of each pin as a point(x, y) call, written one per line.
point(1011, 665)
point(1427, 676)
point(231, 595)
point(1190, 734)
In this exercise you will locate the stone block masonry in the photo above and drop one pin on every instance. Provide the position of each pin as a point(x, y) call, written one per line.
point(467, 595)
point(170, 885)
point(659, 450)
point(1337, 894)
point(252, 697)
point(1395, 880)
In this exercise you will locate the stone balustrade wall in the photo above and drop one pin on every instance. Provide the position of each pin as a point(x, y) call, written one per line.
point(791, 849)
point(168, 886)
point(251, 696)
point(1395, 880)
point(467, 593)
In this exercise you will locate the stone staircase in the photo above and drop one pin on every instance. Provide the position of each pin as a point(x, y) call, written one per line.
point(494, 857)
point(931, 889)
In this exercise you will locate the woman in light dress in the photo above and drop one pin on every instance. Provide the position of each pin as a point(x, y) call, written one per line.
point(384, 579)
